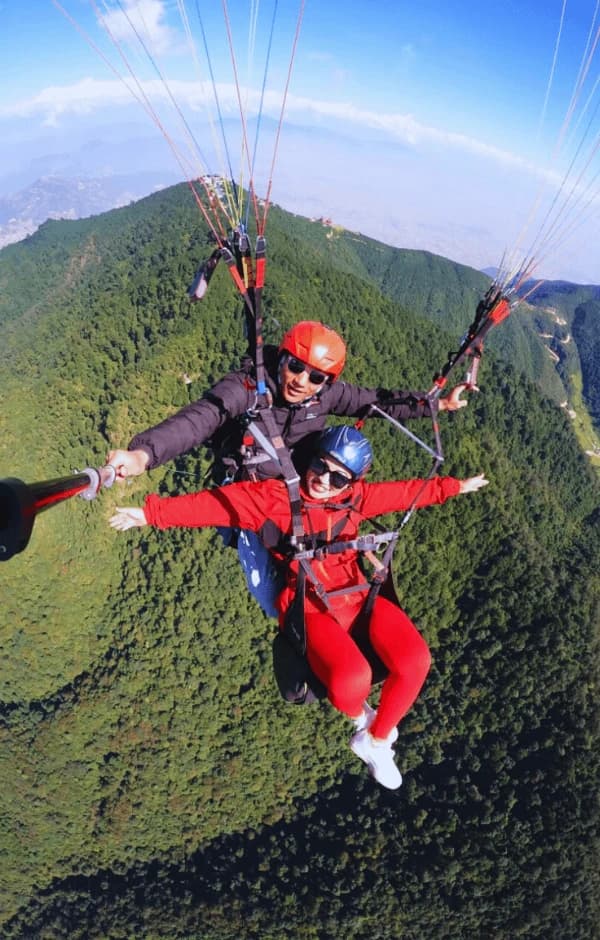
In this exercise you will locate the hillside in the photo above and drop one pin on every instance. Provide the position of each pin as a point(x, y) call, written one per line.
point(443, 291)
point(544, 339)
point(573, 312)
point(154, 785)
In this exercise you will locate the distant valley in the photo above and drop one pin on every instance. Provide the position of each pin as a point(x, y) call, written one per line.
point(57, 197)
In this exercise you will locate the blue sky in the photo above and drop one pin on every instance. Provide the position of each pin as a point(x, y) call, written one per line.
point(416, 122)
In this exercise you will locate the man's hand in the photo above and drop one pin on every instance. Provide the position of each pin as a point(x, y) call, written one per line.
point(453, 401)
point(128, 463)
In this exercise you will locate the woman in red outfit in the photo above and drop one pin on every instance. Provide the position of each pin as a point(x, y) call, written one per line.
point(335, 500)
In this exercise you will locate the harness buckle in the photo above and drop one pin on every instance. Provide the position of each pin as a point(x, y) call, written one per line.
point(368, 542)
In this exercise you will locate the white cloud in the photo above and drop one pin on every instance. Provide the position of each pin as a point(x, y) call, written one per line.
point(90, 94)
point(475, 180)
point(404, 127)
point(143, 19)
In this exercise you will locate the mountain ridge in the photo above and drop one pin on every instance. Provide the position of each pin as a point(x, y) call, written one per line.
point(56, 197)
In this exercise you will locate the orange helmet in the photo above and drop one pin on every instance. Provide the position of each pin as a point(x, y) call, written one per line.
point(317, 345)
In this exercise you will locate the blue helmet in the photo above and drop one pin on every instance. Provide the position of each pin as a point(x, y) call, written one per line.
point(348, 446)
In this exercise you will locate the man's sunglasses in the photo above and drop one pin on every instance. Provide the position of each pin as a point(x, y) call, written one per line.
point(336, 479)
point(315, 376)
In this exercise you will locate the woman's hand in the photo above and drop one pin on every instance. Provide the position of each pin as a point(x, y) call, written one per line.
point(128, 517)
point(473, 483)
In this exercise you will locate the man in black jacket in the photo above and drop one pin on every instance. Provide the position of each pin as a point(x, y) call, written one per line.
point(302, 377)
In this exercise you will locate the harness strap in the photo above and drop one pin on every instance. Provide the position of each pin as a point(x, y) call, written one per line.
point(364, 543)
point(294, 627)
point(305, 571)
point(274, 445)
point(263, 440)
point(352, 589)
point(380, 576)
point(250, 282)
point(289, 473)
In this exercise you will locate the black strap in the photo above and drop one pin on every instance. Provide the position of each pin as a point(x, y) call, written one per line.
point(250, 283)
point(289, 473)
point(380, 576)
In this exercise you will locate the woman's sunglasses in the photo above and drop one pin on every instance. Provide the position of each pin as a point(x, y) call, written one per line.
point(298, 367)
point(336, 479)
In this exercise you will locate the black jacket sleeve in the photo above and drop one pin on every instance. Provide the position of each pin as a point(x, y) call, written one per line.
point(197, 422)
point(341, 398)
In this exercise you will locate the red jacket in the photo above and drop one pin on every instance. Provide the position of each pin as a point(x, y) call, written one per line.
point(264, 508)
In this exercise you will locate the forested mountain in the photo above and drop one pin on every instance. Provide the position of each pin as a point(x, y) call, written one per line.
point(572, 317)
point(154, 785)
point(543, 339)
point(536, 338)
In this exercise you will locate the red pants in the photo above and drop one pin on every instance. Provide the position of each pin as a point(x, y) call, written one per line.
point(337, 661)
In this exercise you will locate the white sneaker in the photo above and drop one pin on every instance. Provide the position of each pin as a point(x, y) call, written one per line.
point(366, 719)
point(379, 758)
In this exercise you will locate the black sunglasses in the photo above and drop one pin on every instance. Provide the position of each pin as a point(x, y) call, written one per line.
point(298, 367)
point(336, 479)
